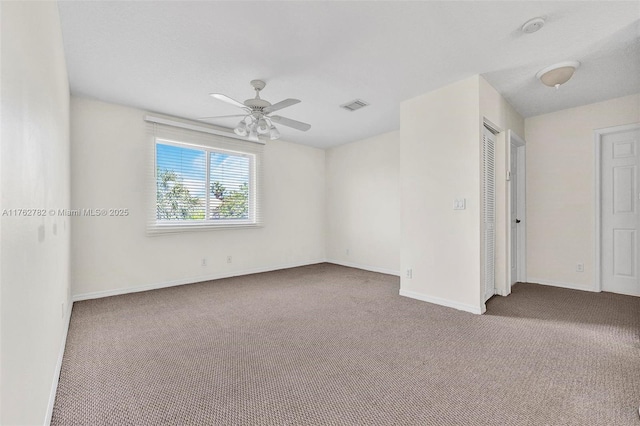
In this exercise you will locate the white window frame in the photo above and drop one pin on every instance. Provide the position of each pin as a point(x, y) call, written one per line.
point(184, 137)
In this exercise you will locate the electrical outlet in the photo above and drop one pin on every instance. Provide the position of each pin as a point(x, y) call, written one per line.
point(460, 204)
point(346, 252)
point(229, 259)
point(203, 262)
point(580, 267)
point(409, 273)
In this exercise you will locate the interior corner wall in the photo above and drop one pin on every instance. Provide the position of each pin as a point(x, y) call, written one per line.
point(500, 113)
point(363, 204)
point(560, 189)
point(439, 162)
point(34, 262)
point(109, 161)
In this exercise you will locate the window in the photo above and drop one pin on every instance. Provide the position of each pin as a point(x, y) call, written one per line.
point(203, 181)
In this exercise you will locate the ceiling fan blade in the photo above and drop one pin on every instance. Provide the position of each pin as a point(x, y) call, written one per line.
point(290, 123)
point(222, 116)
point(280, 105)
point(225, 98)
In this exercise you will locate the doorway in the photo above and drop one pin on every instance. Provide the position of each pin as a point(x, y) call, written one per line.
point(617, 210)
point(516, 210)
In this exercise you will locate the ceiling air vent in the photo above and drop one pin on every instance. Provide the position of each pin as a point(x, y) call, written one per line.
point(354, 105)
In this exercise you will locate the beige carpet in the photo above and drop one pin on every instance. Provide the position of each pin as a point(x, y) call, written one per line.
point(329, 345)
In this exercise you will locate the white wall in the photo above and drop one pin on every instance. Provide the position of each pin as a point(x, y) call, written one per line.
point(34, 262)
point(560, 189)
point(110, 157)
point(439, 161)
point(363, 203)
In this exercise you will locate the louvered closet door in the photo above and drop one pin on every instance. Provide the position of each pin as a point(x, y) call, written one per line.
point(488, 212)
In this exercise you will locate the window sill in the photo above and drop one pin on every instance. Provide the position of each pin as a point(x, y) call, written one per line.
point(171, 228)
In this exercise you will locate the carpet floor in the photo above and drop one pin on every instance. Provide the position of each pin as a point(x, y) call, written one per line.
point(329, 345)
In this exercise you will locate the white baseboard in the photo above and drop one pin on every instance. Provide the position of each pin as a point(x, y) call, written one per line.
point(56, 374)
point(365, 267)
point(190, 280)
point(559, 284)
point(115, 292)
point(443, 302)
point(503, 292)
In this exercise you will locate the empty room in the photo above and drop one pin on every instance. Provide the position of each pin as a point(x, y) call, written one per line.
point(319, 213)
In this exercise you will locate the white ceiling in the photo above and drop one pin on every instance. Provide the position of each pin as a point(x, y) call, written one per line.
point(168, 56)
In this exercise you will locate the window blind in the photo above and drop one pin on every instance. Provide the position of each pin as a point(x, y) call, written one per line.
point(201, 180)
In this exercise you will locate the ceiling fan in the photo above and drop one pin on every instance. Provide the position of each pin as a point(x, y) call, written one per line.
point(257, 119)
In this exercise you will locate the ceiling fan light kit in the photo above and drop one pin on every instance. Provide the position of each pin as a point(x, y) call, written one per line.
point(241, 129)
point(258, 120)
point(274, 133)
point(558, 74)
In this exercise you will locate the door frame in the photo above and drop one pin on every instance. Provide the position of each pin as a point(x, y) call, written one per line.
point(493, 131)
point(513, 138)
point(597, 142)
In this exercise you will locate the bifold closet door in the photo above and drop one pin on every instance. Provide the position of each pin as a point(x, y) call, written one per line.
point(488, 212)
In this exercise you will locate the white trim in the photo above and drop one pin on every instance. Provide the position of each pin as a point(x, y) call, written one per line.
point(190, 280)
point(183, 136)
point(161, 228)
point(522, 212)
point(365, 267)
point(490, 126)
point(443, 302)
point(597, 274)
point(56, 374)
point(515, 139)
point(217, 130)
point(216, 276)
point(503, 292)
point(560, 284)
point(597, 201)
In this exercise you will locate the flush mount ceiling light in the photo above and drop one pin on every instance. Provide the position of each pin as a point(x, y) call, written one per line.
point(557, 74)
point(532, 25)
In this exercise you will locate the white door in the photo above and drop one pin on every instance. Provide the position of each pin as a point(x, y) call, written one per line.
point(620, 189)
point(489, 212)
point(515, 223)
point(514, 214)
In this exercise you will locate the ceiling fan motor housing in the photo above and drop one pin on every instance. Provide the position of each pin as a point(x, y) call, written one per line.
point(257, 104)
